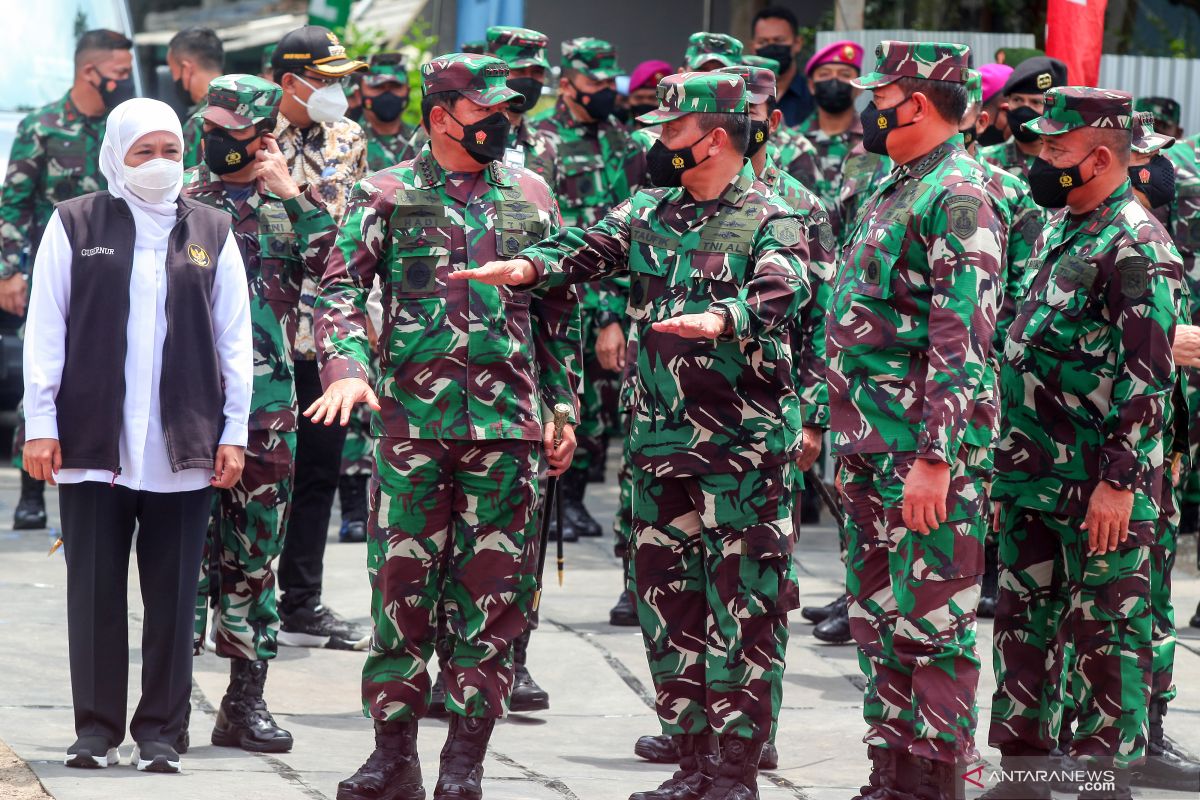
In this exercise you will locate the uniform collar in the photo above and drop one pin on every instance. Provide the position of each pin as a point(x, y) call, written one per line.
point(920, 167)
point(1102, 215)
point(430, 174)
point(735, 193)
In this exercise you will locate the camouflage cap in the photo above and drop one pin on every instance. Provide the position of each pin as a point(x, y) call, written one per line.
point(387, 68)
point(1146, 140)
point(760, 82)
point(974, 88)
point(1071, 107)
point(930, 61)
point(267, 52)
point(705, 47)
point(480, 79)
point(761, 61)
point(518, 47)
point(697, 92)
point(236, 102)
point(1164, 109)
point(595, 58)
point(476, 46)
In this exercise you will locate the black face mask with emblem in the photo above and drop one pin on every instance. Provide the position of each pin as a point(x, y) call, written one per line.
point(599, 104)
point(878, 124)
point(760, 134)
point(666, 166)
point(1156, 180)
point(1049, 185)
point(225, 154)
point(485, 140)
point(114, 91)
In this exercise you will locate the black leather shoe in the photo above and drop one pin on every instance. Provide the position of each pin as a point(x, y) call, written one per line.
point(392, 771)
point(817, 614)
point(1167, 765)
point(243, 720)
point(30, 514)
point(461, 772)
point(659, 749)
point(835, 629)
point(697, 767)
point(624, 613)
point(526, 694)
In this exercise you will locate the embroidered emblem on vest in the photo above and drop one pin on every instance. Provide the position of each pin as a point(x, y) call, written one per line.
point(198, 255)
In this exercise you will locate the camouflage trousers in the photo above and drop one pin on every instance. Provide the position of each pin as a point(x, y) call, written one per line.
point(248, 522)
point(1162, 613)
point(912, 604)
point(452, 526)
point(1100, 603)
point(599, 416)
point(714, 579)
point(357, 456)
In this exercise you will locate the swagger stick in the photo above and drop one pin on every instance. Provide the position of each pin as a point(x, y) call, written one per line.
point(562, 413)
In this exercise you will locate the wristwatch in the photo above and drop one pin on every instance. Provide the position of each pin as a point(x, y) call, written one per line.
point(724, 313)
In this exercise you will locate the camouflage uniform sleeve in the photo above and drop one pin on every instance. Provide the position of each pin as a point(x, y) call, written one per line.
point(1141, 302)
point(341, 305)
point(557, 347)
point(966, 245)
point(811, 383)
point(193, 140)
point(805, 167)
point(313, 223)
point(575, 255)
point(26, 165)
point(778, 285)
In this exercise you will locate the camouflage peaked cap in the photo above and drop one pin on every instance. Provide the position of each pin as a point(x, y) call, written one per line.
point(595, 58)
point(387, 68)
point(974, 88)
point(704, 47)
point(480, 79)
point(235, 102)
point(762, 61)
point(697, 92)
point(1164, 109)
point(1146, 140)
point(929, 61)
point(518, 47)
point(1071, 107)
point(760, 82)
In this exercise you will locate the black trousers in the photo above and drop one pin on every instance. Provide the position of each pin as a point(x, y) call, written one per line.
point(318, 467)
point(98, 523)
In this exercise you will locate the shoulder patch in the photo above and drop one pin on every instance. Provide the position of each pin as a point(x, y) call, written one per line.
point(1135, 276)
point(786, 231)
point(1031, 228)
point(963, 213)
point(826, 237)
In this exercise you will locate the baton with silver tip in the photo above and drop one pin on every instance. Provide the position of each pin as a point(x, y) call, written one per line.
point(562, 412)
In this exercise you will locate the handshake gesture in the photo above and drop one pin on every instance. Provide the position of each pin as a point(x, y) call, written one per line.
point(519, 272)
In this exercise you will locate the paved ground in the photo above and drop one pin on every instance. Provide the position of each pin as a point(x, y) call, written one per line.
point(580, 750)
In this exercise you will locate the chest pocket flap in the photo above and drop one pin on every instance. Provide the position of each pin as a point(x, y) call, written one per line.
point(871, 267)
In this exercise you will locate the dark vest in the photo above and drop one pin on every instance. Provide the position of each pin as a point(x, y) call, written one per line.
point(91, 396)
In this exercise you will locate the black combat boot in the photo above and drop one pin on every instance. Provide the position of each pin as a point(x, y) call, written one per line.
point(1021, 784)
point(658, 749)
point(810, 505)
point(352, 491)
point(697, 768)
point(392, 772)
point(1189, 520)
point(1167, 766)
point(576, 519)
point(737, 770)
point(817, 614)
point(526, 694)
point(990, 590)
point(882, 783)
point(462, 758)
point(835, 629)
point(244, 720)
point(31, 508)
point(598, 465)
point(928, 779)
point(1105, 781)
point(624, 613)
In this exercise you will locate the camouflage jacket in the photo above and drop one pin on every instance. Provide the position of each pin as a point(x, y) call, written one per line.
point(1024, 220)
point(55, 156)
point(388, 151)
point(809, 351)
point(700, 406)
point(790, 149)
point(457, 360)
point(193, 136)
point(909, 333)
point(1007, 157)
point(1087, 366)
point(534, 150)
point(861, 174)
point(832, 152)
point(597, 167)
point(1183, 215)
point(328, 158)
point(282, 242)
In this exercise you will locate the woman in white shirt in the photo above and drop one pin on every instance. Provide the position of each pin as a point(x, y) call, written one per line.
point(138, 370)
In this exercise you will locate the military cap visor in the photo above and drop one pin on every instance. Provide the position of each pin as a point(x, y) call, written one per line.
point(316, 50)
point(227, 119)
point(482, 79)
point(697, 92)
point(1070, 108)
point(929, 61)
point(236, 102)
point(1146, 140)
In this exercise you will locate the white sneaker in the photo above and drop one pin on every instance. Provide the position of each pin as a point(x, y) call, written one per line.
point(155, 757)
point(91, 752)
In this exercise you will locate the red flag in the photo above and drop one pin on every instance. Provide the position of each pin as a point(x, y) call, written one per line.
point(1075, 36)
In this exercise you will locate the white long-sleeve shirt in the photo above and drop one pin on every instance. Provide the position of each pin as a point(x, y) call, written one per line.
point(145, 465)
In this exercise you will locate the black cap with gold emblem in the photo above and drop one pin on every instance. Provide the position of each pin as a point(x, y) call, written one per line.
point(315, 49)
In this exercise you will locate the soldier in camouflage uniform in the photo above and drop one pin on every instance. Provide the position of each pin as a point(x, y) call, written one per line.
point(714, 431)
point(54, 157)
point(1023, 101)
point(1166, 113)
point(834, 128)
point(283, 235)
point(467, 378)
point(195, 56)
point(913, 415)
point(598, 166)
point(524, 51)
point(327, 153)
point(385, 92)
point(1084, 380)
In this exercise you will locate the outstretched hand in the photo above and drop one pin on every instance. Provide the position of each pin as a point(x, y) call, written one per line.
point(340, 399)
point(517, 272)
point(706, 325)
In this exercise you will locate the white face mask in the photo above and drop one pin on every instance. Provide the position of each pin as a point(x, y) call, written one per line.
point(327, 104)
point(155, 180)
